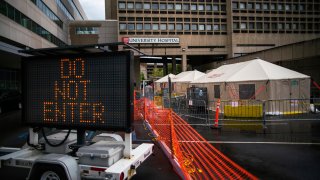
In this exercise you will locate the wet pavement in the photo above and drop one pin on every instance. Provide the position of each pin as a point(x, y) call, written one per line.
point(13, 134)
point(282, 150)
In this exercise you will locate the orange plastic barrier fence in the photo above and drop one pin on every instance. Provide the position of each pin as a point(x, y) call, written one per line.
point(197, 158)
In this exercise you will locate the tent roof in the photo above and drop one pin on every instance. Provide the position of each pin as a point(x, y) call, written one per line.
point(165, 78)
point(188, 76)
point(254, 70)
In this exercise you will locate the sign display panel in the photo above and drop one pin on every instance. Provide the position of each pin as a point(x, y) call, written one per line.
point(92, 91)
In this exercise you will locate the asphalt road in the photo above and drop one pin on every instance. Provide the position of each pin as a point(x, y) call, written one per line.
point(13, 134)
point(283, 150)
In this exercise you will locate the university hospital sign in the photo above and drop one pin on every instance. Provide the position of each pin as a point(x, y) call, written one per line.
point(128, 40)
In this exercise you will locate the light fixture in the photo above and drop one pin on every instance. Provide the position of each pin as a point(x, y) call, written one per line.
point(183, 49)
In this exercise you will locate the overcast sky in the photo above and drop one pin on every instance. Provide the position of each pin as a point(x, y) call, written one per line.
point(94, 9)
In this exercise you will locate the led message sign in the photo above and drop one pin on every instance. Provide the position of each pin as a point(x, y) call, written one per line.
point(92, 91)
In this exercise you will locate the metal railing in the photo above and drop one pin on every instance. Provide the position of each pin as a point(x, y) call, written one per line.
point(199, 112)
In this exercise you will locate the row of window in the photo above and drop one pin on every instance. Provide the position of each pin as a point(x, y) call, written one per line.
point(273, 6)
point(75, 9)
point(276, 26)
point(87, 30)
point(172, 27)
point(15, 15)
point(173, 33)
point(171, 6)
point(64, 9)
point(288, 19)
point(47, 11)
point(165, 19)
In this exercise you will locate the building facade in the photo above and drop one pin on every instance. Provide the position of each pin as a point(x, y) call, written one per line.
point(213, 30)
point(30, 24)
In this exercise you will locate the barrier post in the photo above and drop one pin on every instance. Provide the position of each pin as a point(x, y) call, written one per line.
point(264, 114)
point(216, 122)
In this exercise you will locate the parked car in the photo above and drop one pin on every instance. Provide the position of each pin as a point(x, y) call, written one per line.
point(9, 100)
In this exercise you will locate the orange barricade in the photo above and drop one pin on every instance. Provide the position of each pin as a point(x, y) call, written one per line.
point(197, 158)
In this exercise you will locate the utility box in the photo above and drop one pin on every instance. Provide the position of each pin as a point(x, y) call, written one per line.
point(102, 153)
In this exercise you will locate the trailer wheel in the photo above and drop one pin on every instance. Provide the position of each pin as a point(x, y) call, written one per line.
point(48, 172)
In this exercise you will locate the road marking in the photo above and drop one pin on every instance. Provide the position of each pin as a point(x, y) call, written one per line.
point(248, 142)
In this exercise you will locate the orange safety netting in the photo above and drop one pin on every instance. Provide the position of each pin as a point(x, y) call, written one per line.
point(196, 158)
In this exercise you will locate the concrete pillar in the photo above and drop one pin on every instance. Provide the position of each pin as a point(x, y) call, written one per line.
point(184, 62)
point(174, 65)
point(137, 73)
point(165, 69)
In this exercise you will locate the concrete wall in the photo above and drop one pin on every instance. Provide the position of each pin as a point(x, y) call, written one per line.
point(302, 57)
point(107, 32)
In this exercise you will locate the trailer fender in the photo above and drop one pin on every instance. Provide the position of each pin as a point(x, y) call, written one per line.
point(62, 166)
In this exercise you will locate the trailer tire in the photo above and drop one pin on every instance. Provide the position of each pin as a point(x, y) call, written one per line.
point(48, 172)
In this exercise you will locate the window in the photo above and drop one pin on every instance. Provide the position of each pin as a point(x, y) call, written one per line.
point(138, 5)
point(234, 5)
point(258, 6)
point(178, 6)
point(216, 91)
point(295, 7)
point(223, 27)
point(208, 27)
point(280, 7)
point(301, 7)
point(179, 27)
point(194, 27)
point(215, 7)
point(273, 6)
point(130, 5)
point(288, 7)
point(86, 30)
point(122, 5)
point(288, 26)
point(123, 26)
point(201, 27)
point(280, 26)
point(193, 7)
point(265, 6)
point(155, 6)
point(163, 27)
point(251, 25)
point(186, 7)
point(294, 26)
point(163, 6)
point(243, 26)
point(200, 7)
point(155, 26)
point(235, 25)
point(266, 26)
point(139, 27)
point(208, 7)
point(146, 6)
point(259, 25)
point(216, 27)
point(247, 91)
point(250, 5)
point(171, 26)
point(274, 26)
point(170, 6)
point(147, 26)
point(242, 5)
point(130, 26)
point(186, 27)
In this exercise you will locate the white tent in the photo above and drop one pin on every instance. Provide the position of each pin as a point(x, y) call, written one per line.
point(181, 81)
point(255, 79)
point(163, 82)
